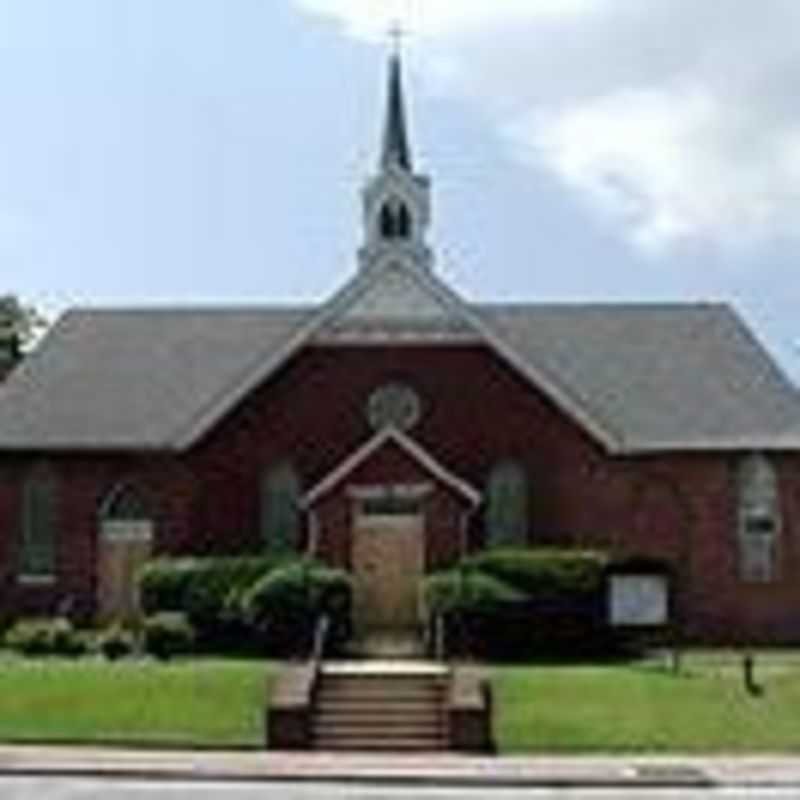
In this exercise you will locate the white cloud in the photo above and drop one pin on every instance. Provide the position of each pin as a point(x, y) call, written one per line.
point(674, 164)
point(675, 118)
point(371, 19)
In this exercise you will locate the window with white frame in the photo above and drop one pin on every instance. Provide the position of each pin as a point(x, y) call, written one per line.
point(759, 520)
point(506, 518)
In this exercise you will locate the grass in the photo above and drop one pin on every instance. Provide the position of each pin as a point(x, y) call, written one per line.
point(644, 707)
point(192, 702)
point(623, 708)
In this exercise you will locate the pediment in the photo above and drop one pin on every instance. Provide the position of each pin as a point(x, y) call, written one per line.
point(397, 302)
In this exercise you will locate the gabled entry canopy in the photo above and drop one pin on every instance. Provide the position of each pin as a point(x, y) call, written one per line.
point(392, 436)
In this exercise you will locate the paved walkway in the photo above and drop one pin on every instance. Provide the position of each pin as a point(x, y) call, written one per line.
point(432, 769)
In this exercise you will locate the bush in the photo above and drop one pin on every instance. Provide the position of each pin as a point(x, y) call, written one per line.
point(544, 573)
point(167, 634)
point(282, 607)
point(116, 642)
point(465, 591)
point(39, 637)
point(207, 590)
point(516, 603)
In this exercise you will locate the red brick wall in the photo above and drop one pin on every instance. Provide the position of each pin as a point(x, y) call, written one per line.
point(476, 411)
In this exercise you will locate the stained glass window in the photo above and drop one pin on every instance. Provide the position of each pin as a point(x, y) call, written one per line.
point(506, 517)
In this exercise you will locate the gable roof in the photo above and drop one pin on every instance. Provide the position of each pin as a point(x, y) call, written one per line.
point(638, 378)
point(416, 451)
point(379, 284)
point(661, 376)
point(128, 379)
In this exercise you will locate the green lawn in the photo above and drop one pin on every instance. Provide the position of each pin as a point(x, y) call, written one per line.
point(195, 702)
point(644, 707)
point(539, 708)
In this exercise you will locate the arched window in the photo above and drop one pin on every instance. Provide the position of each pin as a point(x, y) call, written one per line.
point(126, 502)
point(280, 508)
point(388, 227)
point(506, 518)
point(395, 220)
point(39, 528)
point(403, 222)
point(759, 520)
point(126, 513)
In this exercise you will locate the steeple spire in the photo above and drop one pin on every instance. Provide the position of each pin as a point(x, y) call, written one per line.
point(397, 200)
point(396, 150)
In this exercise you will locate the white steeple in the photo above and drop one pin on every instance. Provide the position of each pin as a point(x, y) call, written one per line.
point(396, 200)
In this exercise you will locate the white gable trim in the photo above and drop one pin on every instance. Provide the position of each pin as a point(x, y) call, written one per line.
point(409, 446)
point(337, 307)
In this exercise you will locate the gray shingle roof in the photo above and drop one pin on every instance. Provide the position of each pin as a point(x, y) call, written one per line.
point(666, 377)
point(130, 378)
point(660, 377)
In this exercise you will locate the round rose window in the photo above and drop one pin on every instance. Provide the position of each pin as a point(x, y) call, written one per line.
point(395, 405)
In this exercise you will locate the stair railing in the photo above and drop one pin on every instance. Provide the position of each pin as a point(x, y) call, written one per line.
point(439, 637)
point(321, 632)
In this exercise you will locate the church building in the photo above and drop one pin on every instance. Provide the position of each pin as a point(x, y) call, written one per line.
point(397, 426)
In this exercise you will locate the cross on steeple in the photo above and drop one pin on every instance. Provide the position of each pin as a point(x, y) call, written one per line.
point(396, 35)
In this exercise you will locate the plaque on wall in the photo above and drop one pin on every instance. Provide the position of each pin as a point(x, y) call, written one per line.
point(639, 600)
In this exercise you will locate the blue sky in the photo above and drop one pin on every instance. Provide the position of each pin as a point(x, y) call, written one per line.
point(212, 151)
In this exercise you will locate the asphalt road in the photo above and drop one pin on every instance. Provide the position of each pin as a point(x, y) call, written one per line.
point(70, 789)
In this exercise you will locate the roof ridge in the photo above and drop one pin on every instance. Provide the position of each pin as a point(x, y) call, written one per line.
point(192, 309)
point(647, 305)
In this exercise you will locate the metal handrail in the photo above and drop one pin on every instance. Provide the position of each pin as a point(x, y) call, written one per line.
point(320, 638)
point(439, 651)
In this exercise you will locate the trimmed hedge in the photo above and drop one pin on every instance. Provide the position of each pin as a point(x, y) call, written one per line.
point(45, 637)
point(544, 572)
point(266, 604)
point(207, 590)
point(282, 607)
point(516, 603)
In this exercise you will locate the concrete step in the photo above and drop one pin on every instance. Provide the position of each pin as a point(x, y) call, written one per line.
point(381, 712)
point(393, 696)
point(377, 729)
point(376, 685)
point(356, 712)
point(381, 745)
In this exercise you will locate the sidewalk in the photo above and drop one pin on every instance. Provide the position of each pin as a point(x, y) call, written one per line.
point(444, 769)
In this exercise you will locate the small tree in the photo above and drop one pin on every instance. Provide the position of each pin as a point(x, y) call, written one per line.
point(20, 325)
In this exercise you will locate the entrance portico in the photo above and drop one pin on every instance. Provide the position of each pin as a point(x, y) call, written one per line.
point(389, 513)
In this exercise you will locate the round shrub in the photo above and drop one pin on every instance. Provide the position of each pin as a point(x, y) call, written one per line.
point(283, 606)
point(167, 634)
point(465, 591)
point(116, 642)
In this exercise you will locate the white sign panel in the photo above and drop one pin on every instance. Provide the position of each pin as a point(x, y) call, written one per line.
point(128, 530)
point(639, 600)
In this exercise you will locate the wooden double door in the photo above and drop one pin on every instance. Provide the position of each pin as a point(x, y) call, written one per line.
point(388, 563)
point(123, 549)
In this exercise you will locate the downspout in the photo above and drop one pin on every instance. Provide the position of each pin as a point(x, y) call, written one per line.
point(313, 534)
